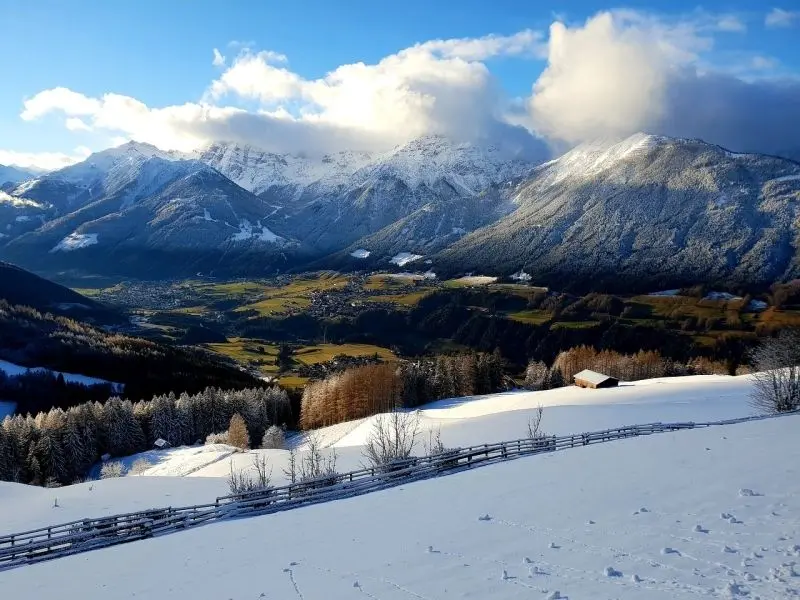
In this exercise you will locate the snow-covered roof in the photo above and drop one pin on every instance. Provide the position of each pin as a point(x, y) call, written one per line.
point(592, 376)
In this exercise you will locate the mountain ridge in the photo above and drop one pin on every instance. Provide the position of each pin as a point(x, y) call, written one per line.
point(633, 207)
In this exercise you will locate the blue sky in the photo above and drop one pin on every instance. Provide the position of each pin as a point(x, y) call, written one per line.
point(159, 55)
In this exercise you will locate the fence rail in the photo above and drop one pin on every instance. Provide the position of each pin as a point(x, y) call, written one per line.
point(47, 543)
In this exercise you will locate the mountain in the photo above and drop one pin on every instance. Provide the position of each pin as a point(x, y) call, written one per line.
point(21, 287)
point(648, 210)
point(359, 195)
point(13, 175)
point(138, 211)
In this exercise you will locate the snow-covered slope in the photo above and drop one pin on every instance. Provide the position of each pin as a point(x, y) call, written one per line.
point(493, 418)
point(695, 514)
point(647, 208)
point(259, 171)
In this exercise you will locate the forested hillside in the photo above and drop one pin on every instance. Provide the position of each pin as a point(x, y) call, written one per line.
point(32, 339)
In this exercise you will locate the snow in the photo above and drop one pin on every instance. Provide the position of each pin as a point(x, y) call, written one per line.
point(521, 276)
point(721, 296)
point(665, 293)
point(14, 369)
point(494, 418)
point(403, 258)
point(360, 253)
point(427, 540)
point(248, 232)
point(76, 241)
point(22, 219)
point(590, 158)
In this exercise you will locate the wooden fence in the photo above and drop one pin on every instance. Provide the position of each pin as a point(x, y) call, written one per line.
point(47, 543)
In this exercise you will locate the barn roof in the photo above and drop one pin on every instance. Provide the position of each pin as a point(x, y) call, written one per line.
point(593, 376)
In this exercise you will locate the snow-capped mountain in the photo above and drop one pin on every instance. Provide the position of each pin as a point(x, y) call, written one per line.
point(647, 208)
point(426, 175)
point(259, 171)
point(13, 175)
point(146, 211)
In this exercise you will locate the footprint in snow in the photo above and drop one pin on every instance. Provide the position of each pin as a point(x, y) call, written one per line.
point(611, 572)
point(700, 529)
point(729, 550)
point(669, 550)
point(553, 546)
point(635, 578)
point(485, 517)
point(748, 493)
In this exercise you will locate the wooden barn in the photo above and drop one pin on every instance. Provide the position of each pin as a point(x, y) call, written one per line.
point(594, 380)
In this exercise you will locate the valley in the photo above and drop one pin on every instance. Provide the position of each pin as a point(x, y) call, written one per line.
point(319, 316)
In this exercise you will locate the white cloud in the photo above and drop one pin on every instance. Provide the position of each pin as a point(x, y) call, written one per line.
point(436, 87)
point(732, 24)
point(523, 43)
point(621, 73)
point(763, 63)
point(48, 161)
point(778, 17)
point(62, 99)
point(601, 79)
point(76, 124)
point(617, 73)
point(219, 59)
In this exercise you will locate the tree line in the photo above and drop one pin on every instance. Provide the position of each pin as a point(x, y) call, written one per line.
point(372, 389)
point(60, 446)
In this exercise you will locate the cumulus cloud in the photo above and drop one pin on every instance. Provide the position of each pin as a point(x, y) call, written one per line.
point(60, 98)
point(778, 17)
point(76, 124)
point(620, 73)
point(219, 59)
point(440, 87)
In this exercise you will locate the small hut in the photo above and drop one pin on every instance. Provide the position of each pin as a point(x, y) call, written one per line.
point(595, 380)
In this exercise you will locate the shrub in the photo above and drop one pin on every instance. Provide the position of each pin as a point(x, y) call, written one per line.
point(111, 470)
point(240, 482)
point(393, 438)
point(217, 438)
point(139, 466)
point(273, 439)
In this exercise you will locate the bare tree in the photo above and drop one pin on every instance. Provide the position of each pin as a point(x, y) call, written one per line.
point(777, 383)
point(433, 445)
point(313, 463)
point(393, 437)
point(535, 424)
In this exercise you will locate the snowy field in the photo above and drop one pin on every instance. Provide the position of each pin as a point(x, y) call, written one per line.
point(493, 418)
point(705, 513)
